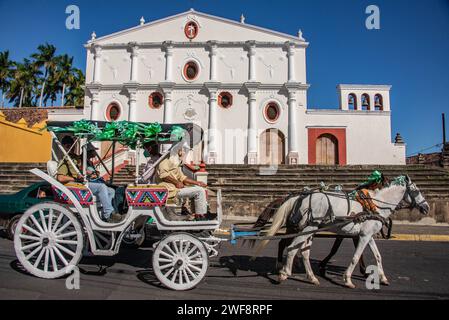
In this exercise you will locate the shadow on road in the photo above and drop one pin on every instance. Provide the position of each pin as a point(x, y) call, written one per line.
point(267, 267)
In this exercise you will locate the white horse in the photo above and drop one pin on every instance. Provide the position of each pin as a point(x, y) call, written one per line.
point(401, 190)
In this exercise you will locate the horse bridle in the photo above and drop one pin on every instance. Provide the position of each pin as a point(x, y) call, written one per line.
point(412, 194)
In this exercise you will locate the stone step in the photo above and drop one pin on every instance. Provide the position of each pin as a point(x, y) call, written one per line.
point(309, 180)
point(263, 198)
point(274, 189)
point(328, 172)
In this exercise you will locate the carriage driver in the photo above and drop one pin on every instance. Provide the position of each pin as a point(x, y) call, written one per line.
point(375, 181)
point(170, 176)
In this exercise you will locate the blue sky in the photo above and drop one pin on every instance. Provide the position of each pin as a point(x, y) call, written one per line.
point(409, 52)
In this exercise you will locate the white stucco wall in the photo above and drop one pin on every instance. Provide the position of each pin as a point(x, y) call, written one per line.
point(368, 135)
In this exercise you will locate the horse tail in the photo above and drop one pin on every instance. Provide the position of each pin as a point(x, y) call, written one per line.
point(279, 219)
point(264, 218)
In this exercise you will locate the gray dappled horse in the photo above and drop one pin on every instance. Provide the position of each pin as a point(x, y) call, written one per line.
point(314, 211)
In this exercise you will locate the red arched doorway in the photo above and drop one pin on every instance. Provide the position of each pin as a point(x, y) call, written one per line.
point(327, 150)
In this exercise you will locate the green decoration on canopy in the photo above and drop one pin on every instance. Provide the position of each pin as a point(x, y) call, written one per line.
point(151, 131)
point(125, 132)
point(177, 133)
point(80, 127)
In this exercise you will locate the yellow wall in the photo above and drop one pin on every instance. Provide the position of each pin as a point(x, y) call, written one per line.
point(18, 143)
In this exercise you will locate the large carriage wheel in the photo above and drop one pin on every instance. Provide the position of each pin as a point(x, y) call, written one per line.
point(48, 240)
point(180, 261)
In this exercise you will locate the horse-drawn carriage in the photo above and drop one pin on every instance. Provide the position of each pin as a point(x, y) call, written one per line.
point(51, 237)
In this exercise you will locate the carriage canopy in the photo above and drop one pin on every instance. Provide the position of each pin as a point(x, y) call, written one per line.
point(130, 133)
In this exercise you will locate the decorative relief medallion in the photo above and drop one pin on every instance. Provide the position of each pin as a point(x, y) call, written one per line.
point(191, 30)
point(190, 108)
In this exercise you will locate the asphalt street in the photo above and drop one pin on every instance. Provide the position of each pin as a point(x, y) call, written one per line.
point(416, 270)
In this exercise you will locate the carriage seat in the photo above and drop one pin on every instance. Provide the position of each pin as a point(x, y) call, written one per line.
point(80, 191)
point(146, 196)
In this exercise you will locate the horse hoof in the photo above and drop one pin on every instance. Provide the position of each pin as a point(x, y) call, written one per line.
point(282, 277)
point(315, 281)
point(350, 285)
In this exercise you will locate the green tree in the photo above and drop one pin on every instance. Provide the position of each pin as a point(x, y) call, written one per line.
point(64, 74)
point(75, 93)
point(45, 58)
point(6, 74)
point(25, 80)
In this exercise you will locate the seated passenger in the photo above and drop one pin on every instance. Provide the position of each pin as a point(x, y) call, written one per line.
point(41, 194)
point(67, 173)
point(153, 155)
point(99, 188)
point(170, 176)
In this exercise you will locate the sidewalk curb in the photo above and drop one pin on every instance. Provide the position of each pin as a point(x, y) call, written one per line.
point(394, 237)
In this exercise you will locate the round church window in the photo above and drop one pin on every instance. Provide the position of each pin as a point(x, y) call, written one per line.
point(191, 71)
point(272, 112)
point(225, 100)
point(113, 112)
point(155, 100)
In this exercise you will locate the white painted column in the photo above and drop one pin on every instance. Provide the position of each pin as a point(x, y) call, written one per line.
point(293, 146)
point(252, 129)
point(252, 60)
point(94, 107)
point(291, 62)
point(212, 129)
point(371, 102)
point(168, 61)
point(134, 62)
point(132, 115)
point(168, 118)
point(292, 124)
point(97, 64)
point(213, 61)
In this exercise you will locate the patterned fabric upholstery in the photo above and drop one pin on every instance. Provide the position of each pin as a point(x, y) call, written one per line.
point(146, 196)
point(80, 191)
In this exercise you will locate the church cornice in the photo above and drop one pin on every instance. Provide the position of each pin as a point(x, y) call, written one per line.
point(203, 44)
point(346, 112)
point(363, 87)
point(194, 86)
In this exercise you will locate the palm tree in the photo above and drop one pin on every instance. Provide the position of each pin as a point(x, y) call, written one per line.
point(25, 80)
point(45, 58)
point(6, 73)
point(75, 94)
point(64, 74)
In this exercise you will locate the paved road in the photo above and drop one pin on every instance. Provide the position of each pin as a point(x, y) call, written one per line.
point(416, 270)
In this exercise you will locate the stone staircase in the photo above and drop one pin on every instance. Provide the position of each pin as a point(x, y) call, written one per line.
point(248, 189)
point(16, 176)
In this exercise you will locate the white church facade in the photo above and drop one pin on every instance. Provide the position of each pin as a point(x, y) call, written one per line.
point(246, 86)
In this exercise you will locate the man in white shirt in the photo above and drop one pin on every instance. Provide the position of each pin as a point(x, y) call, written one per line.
point(152, 154)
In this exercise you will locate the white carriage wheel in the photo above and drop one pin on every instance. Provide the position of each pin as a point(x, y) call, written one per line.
point(180, 261)
point(48, 240)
